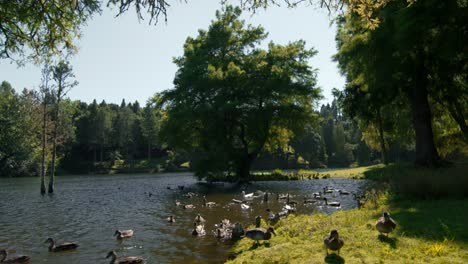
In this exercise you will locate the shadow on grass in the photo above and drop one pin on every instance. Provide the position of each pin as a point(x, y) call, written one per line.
point(389, 240)
point(257, 245)
point(334, 259)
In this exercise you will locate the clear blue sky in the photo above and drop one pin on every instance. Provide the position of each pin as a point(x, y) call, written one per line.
point(122, 58)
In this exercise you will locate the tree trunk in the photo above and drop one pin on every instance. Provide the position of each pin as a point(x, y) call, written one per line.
point(149, 152)
point(54, 136)
point(426, 152)
point(44, 139)
point(244, 167)
point(54, 143)
point(383, 147)
point(101, 154)
point(457, 114)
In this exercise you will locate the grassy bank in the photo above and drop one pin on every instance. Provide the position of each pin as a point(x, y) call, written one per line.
point(429, 206)
point(427, 232)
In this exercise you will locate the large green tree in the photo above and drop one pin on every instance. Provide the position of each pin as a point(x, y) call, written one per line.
point(404, 61)
point(232, 98)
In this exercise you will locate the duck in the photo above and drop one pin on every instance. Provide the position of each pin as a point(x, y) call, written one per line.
point(272, 216)
point(121, 234)
point(309, 201)
point(62, 247)
point(247, 196)
point(318, 196)
point(198, 229)
point(327, 190)
point(189, 206)
point(360, 203)
point(181, 187)
point(171, 219)
point(332, 204)
point(385, 224)
point(177, 203)
point(123, 260)
point(225, 224)
point(237, 201)
point(237, 231)
point(244, 206)
point(208, 204)
point(258, 221)
point(343, 192)
point(220, 233)
point(265, 197)
point(17, 259)
point(199, 219)
point(260, 233)
point(333, 242)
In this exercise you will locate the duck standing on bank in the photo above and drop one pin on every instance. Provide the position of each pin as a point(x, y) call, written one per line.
point(121, 234)
point(333, 242)
point(123, 260)
point(17, 259)
point(260, 233)
point(62, 247)
point(385, 224)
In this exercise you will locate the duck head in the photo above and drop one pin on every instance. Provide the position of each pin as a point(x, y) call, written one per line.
point(49, 240)
point(334, 234)
point(117, 233)
point(111, 254)
point(386, 215)
point(271, 230)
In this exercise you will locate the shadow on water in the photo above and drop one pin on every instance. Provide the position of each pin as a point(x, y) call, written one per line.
point(391, 241)
point(334, 259)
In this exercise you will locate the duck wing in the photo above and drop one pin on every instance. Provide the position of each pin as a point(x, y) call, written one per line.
point(129, 260)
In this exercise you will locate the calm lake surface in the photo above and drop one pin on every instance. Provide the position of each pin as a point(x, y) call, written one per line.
point(88, 210)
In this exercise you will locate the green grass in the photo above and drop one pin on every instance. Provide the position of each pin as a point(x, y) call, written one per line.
point(427, 232)
point(429, 206)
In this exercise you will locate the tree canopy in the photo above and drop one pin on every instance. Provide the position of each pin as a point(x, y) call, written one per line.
point(232, 99)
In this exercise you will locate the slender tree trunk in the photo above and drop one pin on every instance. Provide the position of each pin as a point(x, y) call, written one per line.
point(244, 168)
point(54, 143)
point(102, 152)
point(426, 152)
point(149, 152)
point(44, 139)
point(383, 147)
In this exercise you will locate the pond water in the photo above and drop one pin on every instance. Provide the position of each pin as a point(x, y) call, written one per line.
point(88, 210)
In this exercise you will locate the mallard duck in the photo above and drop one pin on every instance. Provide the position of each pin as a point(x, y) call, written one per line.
point(333, 242)
point(171, 219)
point(198, 229)
point(199, 219)
point(333, 204)
point(237, 231)
point(220, 233)
point(272, 216)
point(244, 206)
point(189, 206)
point(247, 196)
point(327, 190)
point(121, 234)
point(385, 224)
point(260, 233)
point(208, 204)
point(309, 201)
point(124, 260)
point(17, 259)
point(343, 192)
point(61, 247)
point(258, 221)
point(317, 196)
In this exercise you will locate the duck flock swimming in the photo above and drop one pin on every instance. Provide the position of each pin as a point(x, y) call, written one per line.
point(227, 230)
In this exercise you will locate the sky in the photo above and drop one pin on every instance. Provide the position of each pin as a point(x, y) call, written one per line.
point(126, 58)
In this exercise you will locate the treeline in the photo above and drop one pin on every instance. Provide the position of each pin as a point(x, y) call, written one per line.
point(97, 137)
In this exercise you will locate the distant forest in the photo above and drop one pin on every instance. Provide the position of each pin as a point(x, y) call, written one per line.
point(105, 137)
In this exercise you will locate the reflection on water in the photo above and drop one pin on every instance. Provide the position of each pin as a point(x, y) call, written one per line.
point(88, 210)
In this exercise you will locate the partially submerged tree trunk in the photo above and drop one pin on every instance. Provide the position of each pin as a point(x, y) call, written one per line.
point(44, 139)
point(426, 152)
point(54, 137)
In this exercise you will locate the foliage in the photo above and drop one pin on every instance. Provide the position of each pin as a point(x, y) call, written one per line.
point(232, 99)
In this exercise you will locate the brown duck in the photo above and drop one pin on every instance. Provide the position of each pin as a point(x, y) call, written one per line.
point(123, 260)
point(385, 224)
point(333, 242)
point(62, 247)
point(121, 234)
point(17, 259)
point(260, 233)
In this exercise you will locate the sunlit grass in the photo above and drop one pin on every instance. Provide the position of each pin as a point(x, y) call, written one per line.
point(427, 232)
